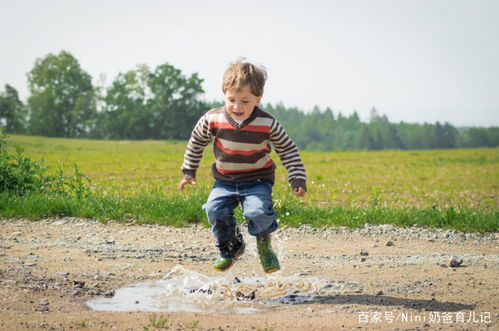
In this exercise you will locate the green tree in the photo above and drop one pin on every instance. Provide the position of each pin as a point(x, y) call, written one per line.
point(479, 137)
point(126, 115)
point(445, 136)
point(174, 105)
point(62, 101)
point(159, 104)
point(12, 111)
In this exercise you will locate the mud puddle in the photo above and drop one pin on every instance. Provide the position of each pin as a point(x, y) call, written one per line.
point(184, 290)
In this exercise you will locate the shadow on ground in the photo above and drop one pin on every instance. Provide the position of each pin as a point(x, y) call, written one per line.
point(376, 300)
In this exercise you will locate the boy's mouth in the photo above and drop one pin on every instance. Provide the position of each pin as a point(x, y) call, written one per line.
point(238, 114)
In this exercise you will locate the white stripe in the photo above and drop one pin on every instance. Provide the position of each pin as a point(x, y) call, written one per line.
point(297, 164)
point(291, 159)
point(262, 121)
point(243, 146)
point(217, 117)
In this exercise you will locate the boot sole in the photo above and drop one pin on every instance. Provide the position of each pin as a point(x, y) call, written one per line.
point(272, 270)
point(221, 270)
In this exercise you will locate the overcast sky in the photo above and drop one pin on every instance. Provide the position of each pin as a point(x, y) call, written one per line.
point(414, 60)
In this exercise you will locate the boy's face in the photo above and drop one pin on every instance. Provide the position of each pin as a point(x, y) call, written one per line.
point(240, 104)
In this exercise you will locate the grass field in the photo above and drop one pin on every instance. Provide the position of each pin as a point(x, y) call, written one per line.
point(443, 188)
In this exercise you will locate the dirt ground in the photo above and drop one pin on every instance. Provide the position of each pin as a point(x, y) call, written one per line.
point(50, 268)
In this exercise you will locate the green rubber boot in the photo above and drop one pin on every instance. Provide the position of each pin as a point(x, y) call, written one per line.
point(229, 252)
point(223, 263)
point(268, 258)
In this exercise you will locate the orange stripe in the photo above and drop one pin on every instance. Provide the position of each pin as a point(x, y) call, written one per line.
point(224, 172)
point(235, 151)
point(256, 128)
point(221, 125)
point(227, 125)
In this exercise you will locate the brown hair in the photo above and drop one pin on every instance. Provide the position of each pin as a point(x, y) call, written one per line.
point(242, 73)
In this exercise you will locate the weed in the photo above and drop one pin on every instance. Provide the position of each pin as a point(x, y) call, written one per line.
point(267, 327)
point(19, 174)
point(193, 325)
point(159, 321)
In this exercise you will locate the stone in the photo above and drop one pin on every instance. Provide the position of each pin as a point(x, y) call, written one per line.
point(455, 262)
point(387, 227)
point(109, 293)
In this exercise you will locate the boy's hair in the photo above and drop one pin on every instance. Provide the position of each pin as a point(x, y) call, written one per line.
point(242, 73)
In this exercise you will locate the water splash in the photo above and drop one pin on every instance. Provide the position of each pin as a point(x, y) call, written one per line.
point(187, 290)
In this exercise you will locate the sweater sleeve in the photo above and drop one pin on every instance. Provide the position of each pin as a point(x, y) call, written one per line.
point(288, 153)
point(200, 138)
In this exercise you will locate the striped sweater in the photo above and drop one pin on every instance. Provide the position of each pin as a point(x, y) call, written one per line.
point(242, 152)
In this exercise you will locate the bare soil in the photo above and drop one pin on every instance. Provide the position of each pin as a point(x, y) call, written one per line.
point(50, 268)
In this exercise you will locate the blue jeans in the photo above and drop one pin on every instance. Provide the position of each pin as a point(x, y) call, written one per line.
point(256, 200)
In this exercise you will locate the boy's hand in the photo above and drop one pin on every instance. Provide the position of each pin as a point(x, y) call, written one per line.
point(300, 191)
point(186, 181)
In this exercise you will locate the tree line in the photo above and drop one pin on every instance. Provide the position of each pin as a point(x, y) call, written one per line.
point(323, 130)
point(163, 103)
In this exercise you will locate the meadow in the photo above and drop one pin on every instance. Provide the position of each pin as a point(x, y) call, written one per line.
point(137, 180)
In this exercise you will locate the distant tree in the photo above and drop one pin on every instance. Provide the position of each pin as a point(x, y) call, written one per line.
point(207, 105)
point(479, 137)
point(12, 111)
point(62, 101)
point(125, 114)
point(159, 104)
point(445, 136)
point(174, 105)
point(394, 137)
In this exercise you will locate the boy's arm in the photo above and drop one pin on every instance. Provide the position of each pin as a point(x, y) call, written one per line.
point(200, 138)
point(288, 153)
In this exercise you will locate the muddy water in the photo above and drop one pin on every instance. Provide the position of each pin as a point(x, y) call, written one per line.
point(190, 291)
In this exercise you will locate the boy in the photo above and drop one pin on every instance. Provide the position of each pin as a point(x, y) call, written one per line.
point(243, 170)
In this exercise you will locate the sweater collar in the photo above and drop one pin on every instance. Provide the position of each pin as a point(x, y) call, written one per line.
point(248, 119)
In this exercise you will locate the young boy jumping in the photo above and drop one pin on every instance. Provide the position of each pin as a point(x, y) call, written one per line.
point(243, 170)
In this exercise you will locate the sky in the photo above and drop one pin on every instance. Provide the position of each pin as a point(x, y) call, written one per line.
point(413, 60)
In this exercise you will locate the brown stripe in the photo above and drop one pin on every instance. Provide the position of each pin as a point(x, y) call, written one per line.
point(242, 136)
point(220, 155)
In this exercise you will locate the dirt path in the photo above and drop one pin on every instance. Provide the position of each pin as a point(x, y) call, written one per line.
point(49, 269)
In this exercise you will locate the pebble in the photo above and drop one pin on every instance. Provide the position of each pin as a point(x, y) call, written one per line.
point(73, 292)
point(389, 243)
point(109, 293)
point(387, 227)
point(43, 302)
point(455, 262)
point(61, 273)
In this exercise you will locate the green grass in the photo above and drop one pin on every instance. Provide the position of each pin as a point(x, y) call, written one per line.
point(183, 211)
point(137, 180)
